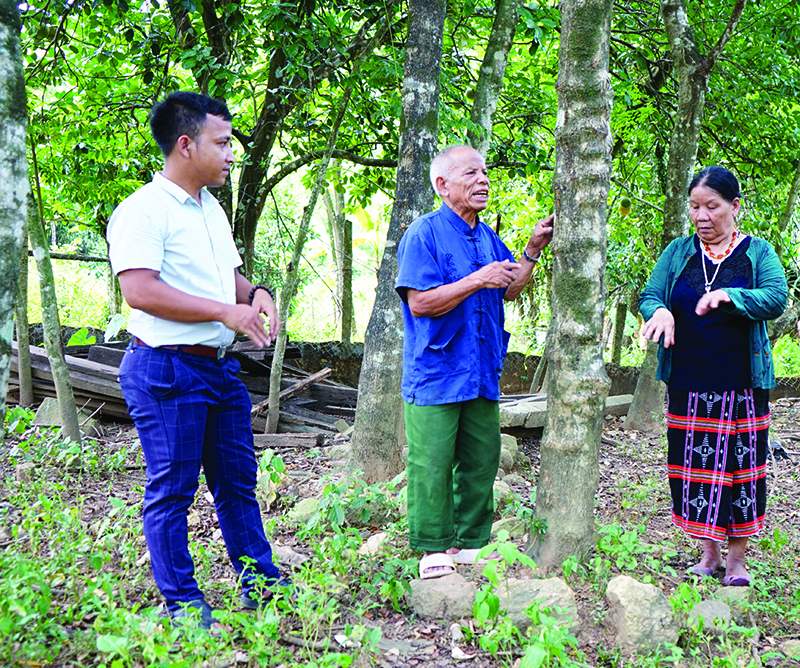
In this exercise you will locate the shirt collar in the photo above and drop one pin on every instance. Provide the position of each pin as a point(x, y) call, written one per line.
point(176, 191)
point(457, 221)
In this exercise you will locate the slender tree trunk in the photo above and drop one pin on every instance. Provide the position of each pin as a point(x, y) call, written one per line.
point(692, 70)
point(379, 415)
point(578, 384)
point(14, 176)
point(52, 328)
point(490, 80)
point(293, 277)
point(114, 292)
point(340, 230)
point(619, 330)
point(789, 209)
point(23, 336)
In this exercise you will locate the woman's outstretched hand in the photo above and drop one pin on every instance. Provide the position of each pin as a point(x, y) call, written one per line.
point(662, 322)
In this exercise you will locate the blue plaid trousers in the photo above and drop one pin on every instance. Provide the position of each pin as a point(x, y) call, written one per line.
point(191, 410)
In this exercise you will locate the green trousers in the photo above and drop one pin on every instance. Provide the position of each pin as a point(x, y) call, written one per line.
point(453, 455)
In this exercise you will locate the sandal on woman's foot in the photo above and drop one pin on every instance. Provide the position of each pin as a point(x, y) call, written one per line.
point(737, 580)
point(435, 565)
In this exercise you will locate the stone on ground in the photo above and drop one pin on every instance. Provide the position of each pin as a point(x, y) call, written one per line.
point(518, 595)
point(502, 494)
point(516, 527)
point(508, 442)
point(738, 599)
point(791, 648)
point(506, 460)
point(49, 415)
point(448, 597)
point(304, 510)
point(715, 614)
point(641, 615)
point(24, 472)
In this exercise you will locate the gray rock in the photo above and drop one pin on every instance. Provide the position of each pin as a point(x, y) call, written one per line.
point(377, 515)
point(715, 614)
point(516, 527)
point(641, 615)
point(508, 442)
point(514, 479)
point(340, 452)
point(506, 460)
point(448, 597)
point(24, 472)
point(304, 510)
point(791, 648)
point(738, 599)
point(502, 494)
point(518, 595)
point(286, 555)
point(49, 415)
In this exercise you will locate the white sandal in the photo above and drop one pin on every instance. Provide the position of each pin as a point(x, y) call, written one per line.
point(436, 560)
point(470, 556)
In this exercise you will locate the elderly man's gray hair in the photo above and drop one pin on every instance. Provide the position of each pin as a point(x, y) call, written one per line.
point(442, 164)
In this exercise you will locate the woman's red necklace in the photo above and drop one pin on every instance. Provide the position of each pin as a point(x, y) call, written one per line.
point(721, 256)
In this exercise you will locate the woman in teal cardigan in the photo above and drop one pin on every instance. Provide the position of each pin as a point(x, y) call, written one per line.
point(707, 303)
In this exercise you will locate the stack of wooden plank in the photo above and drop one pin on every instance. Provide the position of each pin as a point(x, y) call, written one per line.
point(310, 403)
point(94, 384)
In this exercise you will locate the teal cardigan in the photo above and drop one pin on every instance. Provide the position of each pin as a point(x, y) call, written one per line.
point(765, 301)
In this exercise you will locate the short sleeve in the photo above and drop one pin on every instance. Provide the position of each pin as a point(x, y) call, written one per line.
point(135, 239)
point(418, 268)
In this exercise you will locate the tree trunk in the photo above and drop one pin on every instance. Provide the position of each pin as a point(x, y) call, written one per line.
point(619, 330)
point(13, 195)
point(490, 80)
point(293, 277)
point(52, 328)
point(23, 337)
point(692, 70)
point(379, 414)
point(340, 230)
point(347, 280)
point(578, 384)
point(788, 210)
point(114, 293)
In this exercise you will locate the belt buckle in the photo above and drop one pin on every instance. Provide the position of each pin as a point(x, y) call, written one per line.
point(222, 351)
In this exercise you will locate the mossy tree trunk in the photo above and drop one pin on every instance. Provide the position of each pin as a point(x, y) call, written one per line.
point(14, 177)
point(51, 326)
point(379, 414)
point(577, 382)
point(692, 70)
point(23, 337)
point(493, 67)
point(293, 277)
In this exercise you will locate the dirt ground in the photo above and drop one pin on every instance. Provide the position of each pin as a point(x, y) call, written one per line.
point(633, 494)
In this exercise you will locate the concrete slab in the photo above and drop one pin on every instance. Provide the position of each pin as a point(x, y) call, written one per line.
point(532, 413)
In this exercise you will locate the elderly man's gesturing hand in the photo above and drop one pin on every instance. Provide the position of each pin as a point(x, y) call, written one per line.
point(497, 274)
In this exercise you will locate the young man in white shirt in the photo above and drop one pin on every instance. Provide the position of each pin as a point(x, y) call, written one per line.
point(170, 244)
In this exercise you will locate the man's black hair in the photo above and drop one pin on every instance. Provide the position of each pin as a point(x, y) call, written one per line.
point(720, 180)
point(183, 113)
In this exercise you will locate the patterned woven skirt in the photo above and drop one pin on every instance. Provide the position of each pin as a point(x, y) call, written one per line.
point(717, 454)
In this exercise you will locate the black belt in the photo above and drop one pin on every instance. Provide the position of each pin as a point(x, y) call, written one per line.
point(203, 351)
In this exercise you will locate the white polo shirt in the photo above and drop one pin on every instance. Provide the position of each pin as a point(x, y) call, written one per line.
point(161, 227)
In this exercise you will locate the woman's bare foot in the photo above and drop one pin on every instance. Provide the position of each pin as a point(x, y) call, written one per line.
point(736, 574)
point(710, 561)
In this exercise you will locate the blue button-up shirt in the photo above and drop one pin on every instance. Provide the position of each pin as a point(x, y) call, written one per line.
point(457, 356)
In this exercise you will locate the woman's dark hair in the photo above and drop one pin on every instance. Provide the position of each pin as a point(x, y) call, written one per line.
point(183, 113)
point(720, 180)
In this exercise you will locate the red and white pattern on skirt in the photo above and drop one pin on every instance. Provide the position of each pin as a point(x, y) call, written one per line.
point(717, 445)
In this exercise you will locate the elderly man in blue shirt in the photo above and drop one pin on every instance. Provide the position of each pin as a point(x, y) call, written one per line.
point(454, 275)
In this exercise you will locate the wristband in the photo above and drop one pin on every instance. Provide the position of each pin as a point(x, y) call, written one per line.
point(260, 287)
point(533, 260)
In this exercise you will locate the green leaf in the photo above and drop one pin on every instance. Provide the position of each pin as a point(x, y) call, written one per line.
point(81, 338)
